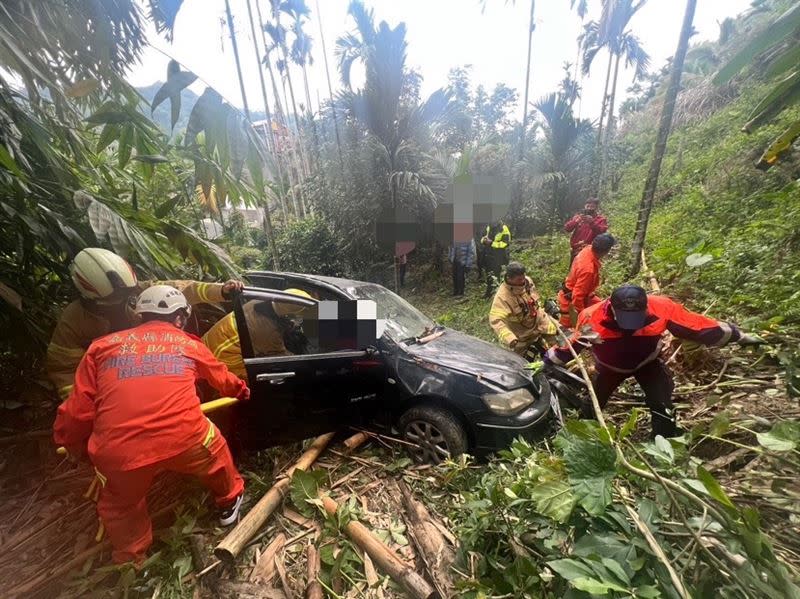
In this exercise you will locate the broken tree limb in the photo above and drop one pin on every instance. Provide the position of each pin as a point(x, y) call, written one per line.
point(231, 546)
point(313, 587)
point(435, 551)
point(386, 559)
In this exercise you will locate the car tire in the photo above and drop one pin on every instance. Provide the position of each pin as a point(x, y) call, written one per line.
point(437, 434)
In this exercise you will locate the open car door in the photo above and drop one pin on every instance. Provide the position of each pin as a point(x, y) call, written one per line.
point(306, 374)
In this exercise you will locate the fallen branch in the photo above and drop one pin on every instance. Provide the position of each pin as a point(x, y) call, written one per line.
point(236, 540)
point(313, 587)
point(386, 559)
point(653, 544)
point(434, 550)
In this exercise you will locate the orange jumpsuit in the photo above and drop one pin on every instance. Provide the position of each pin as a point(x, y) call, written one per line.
point(135, 408)
point(579, 287)
point(621, 354)
point(83, 321)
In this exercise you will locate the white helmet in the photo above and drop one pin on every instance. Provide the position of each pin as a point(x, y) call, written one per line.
point(100, 274)
point(162, 299)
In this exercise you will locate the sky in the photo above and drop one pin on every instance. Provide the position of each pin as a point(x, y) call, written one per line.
point(441, 34)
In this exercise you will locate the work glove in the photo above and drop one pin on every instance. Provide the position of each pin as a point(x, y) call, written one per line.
point(229, 288)
point(748, 339)
point(244, 394)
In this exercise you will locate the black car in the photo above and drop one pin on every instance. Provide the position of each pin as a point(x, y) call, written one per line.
point(444, 391)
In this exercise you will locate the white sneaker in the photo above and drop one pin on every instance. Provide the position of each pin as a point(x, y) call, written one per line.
point(230, 514)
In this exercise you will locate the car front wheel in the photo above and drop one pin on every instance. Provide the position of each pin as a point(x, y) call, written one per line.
point(436, 434)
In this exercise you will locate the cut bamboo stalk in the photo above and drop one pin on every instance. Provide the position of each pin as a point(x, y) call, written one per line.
point(436, 553)
point(386, 559)
point(233, 544)
point(313, 586)
point(264, 570)
point(357, 440)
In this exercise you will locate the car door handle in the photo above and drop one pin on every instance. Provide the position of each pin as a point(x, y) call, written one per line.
point(274, 378)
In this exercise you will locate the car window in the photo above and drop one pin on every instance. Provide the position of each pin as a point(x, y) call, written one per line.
point(278, 328)
point(400, 319)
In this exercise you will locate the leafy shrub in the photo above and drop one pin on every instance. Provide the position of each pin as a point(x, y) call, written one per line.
point(309, 246)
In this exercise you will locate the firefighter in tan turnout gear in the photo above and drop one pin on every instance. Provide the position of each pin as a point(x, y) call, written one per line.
point(516, 316)
point(108, 284)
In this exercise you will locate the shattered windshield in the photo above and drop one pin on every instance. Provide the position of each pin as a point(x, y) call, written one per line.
point(401, 319)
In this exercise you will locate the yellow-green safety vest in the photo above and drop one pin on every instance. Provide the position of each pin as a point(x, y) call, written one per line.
point(498, 242)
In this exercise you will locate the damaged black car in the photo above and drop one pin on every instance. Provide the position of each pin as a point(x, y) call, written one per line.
point(360, 355)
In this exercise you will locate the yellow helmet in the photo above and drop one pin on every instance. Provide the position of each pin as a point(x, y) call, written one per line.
point(287, 309)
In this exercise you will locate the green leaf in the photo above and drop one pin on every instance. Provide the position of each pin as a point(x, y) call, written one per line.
point(125, 147)
point(696, 260)
point(151, 158)
point(785, 92)
point(713, 487)
point(571, 569)
point(630, 423)
point(305, 487)
point(8, 162)
point(553, 499)
point(591, 465)
point(784, 436)
point(168, 206)
point(646, 592)
point(109, 133)
point(596, 587)
point(665, 448)
point(177, 81)
point(769, 36)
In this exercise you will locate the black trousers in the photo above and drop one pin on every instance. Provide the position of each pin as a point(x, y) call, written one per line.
point(459, 278)
point(496, 258)
point(655, 380)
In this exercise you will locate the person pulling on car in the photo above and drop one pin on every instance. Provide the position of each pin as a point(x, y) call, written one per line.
point(135, 410)
point(624, 333)
point(271, 328)
point(107, 285)
point(516, 316)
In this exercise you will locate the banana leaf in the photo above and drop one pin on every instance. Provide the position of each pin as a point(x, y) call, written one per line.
point(774, 33)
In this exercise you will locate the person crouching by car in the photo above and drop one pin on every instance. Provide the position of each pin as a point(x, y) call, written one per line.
point(135, 409)
point(516, 316)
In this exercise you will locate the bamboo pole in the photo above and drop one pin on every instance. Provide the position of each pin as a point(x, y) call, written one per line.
point(236, 540)
point(313, 586)
point(436, 554)
point(356, 441)
point(387, 560)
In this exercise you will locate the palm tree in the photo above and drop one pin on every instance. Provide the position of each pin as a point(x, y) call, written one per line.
point(236, 57)
point(392, 127)
point(330, 88)
point(301, 56)
point(665, 123)
point(612, 33)
point(562, 132)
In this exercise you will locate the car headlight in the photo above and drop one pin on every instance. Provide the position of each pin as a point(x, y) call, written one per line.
point(509, 402)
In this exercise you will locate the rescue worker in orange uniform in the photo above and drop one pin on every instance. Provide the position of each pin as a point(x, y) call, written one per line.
point(135, 410)
point(578, 290)
point(624, 333)
point(107, 283)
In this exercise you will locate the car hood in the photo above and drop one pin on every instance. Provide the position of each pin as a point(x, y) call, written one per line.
point(472, 356)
